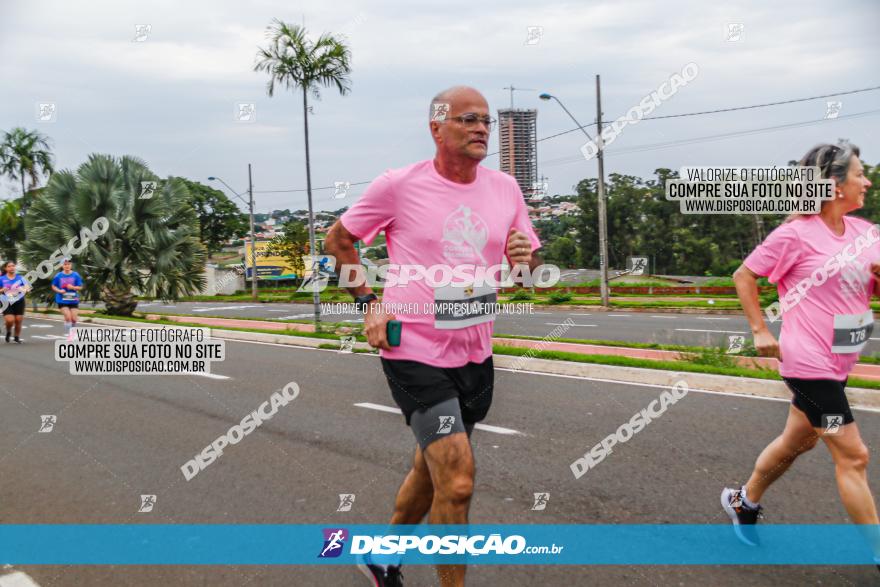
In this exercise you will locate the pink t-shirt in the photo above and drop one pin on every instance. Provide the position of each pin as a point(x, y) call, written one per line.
point(825, 287)
point(429, 220)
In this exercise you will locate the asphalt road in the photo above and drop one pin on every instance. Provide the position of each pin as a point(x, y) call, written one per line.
point(122, 436)
point(619, 325)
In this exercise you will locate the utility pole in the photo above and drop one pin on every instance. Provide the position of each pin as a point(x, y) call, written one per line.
point(603, 218)
point(253, 237)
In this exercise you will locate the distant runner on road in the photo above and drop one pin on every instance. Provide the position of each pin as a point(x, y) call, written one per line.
point(13, 288)
point(66, 286)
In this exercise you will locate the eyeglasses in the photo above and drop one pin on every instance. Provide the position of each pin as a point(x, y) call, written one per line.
point(470, 120)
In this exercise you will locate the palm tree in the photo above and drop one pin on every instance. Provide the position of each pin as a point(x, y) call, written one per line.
point(294, 61)
point(25, 154)
point(11, 229)
point(152, 245)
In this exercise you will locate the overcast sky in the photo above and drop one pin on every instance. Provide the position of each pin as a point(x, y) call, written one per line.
point(171, 98)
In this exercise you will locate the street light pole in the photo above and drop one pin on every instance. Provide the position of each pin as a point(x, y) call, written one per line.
point(250, 204)
point(601, 211)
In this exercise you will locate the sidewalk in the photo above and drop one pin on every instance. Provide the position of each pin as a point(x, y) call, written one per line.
point(861, 370)
point(724, 384)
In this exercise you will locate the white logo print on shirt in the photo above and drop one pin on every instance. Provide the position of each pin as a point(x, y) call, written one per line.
point(854, 278)
point(465, 235)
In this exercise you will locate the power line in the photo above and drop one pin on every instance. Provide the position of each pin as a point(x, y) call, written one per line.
point(687, 114)
point(669, 144)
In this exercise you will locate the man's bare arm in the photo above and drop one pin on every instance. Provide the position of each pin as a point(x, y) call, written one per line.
point(341, 244)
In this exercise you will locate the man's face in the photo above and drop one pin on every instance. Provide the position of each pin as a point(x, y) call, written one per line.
point(457, 138)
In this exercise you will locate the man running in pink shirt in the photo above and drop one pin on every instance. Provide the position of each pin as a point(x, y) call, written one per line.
point(444, 215)
point(826, 268)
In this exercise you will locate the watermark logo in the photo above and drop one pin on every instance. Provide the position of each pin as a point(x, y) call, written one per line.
point(148, 188)
point(439, 112)
point(266, 411)
point(334, 541)
point(637, 265)
point(446, 424)
point(534, 34)
point(340, 189)
point(540, 189)
point(46, 112)
point(346, 344)
point(735, 343)
point(646, 106)
point(245, 112)
point(541, 500)
point(832, 423)
point(346, 501)
point(141, 32)
point(47, 423)
point(630, 428)
point(833, 108)
point(735, 32)
point(147, 504)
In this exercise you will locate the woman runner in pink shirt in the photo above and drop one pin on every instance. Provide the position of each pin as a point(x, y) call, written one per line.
point(825, 268)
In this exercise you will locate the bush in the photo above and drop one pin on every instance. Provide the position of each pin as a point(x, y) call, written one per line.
point(559, 297)
point(520, 296)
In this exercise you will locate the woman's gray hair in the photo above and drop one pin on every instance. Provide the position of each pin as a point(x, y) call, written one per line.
point(833, 162)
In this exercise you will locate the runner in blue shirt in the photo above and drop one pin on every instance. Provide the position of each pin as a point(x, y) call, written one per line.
point(66, 286)
point(13, 287)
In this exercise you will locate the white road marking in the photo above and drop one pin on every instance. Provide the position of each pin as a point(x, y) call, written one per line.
point(209, 375)
point(17, 579)
point(279, 310)
point(707, 318)
point(486, 427)
point(223, 308)
point(358, 320)
point(721, 331)
point(666, 317)
point(564, 324)
point(620, 315)
point(38, 326)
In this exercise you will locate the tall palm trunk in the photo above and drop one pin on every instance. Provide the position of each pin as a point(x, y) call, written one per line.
point(24, 205)
point(119, 301)
point(316, 296)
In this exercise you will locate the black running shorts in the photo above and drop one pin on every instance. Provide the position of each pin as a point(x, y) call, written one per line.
point(16, 309)
point(820, 399)
point(416, 386)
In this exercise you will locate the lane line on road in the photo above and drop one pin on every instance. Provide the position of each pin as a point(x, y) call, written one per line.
point(708, 318)
point(564, 324)
point(214, 309)
point(665, 317)
point(17, 579)
point(721, 331)
point(486, 427)
point(620, 315)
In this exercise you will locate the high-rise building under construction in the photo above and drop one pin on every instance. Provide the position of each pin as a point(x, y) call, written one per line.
point(518, 148)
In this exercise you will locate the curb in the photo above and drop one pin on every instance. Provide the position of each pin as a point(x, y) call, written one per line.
point(766, 388)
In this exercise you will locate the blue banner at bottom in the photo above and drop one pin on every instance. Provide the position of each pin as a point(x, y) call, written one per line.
point(494, 544)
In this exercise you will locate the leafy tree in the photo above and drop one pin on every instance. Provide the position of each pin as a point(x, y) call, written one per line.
point(562, 251)
point(293, 245)
point(151, 247)
point(219, 218)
